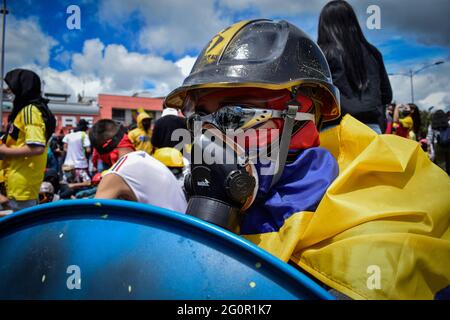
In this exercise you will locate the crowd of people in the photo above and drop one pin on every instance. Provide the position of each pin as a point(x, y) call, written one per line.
point(40, 168)
point(111, 161)
point(406, 121)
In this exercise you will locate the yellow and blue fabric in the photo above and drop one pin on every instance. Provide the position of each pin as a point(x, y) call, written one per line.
point(387, 210)
point(301, 187)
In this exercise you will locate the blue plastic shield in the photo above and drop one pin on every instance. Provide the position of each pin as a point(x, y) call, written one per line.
point(91, 249)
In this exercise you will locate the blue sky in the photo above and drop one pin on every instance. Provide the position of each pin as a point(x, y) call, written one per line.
point(130, 46)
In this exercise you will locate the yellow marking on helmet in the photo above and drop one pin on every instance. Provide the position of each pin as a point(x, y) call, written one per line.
point(217, 45)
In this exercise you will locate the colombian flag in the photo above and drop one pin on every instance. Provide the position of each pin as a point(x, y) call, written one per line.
point(380, 226)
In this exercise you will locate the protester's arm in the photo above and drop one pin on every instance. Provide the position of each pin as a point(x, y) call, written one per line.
point(113, 186)
point(77, 185)
point(87, 144)
point(35, 139)
point(28, 150)
point(396, 113)
point(430, 142)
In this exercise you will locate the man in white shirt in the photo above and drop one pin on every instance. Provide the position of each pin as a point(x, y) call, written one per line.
point(139, 177)
point(76, 145)
point(136, 176)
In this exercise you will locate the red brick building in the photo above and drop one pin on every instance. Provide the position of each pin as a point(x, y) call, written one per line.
point(106, 106)
point(124, 108)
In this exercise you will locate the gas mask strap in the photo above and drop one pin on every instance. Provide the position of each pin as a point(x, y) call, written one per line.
point(289, 121)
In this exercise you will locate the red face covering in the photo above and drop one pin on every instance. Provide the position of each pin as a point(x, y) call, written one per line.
point(305, 134)
point(110, 158)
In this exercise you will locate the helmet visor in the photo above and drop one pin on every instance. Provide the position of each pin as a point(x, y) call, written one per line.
point(235, 117)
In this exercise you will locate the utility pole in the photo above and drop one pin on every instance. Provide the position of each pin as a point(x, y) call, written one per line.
point(4, 12)
point(412, 73)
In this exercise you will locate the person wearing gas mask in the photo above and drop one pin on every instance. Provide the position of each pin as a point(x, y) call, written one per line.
point(141, 136)
point(282, 101)
point(255, 101)
point(134, 175)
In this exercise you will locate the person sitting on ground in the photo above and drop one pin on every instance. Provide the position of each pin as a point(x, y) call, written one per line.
point(47, 193)
point(74, 180)
point(135, 176)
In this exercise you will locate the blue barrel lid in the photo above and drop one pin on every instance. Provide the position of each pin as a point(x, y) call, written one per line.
point(113, 249)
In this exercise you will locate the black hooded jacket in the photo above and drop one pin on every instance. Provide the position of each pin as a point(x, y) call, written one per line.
point(367, 106)
point(163, 129)
point(26, 87)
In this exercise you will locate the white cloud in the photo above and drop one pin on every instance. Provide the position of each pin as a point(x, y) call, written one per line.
point(268, 8)
point(426, 21)
point(186, 63)
point(441, 100)
point(113, 69)
point(26, 43)
point(126, 71)
point(431, 88)
point(169, 26)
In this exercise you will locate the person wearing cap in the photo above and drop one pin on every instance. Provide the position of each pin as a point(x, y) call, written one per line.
point(337, 205)
point(47, 193)
point(141, 136)
point(77, 146)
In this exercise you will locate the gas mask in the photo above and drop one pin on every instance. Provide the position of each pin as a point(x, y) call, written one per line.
point(223, 181)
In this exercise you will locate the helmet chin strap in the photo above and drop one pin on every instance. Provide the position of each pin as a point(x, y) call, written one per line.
point(289, 120)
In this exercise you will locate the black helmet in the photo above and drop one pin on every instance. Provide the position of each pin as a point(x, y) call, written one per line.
point(262, 54)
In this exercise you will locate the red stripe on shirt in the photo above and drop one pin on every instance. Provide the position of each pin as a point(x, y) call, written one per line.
point(114, 166)
point(120, 164)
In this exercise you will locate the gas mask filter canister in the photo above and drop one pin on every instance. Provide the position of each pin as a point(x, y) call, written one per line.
point(222, 183)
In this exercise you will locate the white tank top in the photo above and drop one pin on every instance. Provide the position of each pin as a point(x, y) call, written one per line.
point(150, 180)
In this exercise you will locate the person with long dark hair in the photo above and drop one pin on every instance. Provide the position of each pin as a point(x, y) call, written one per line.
point(357, 66)
point(407, 121)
